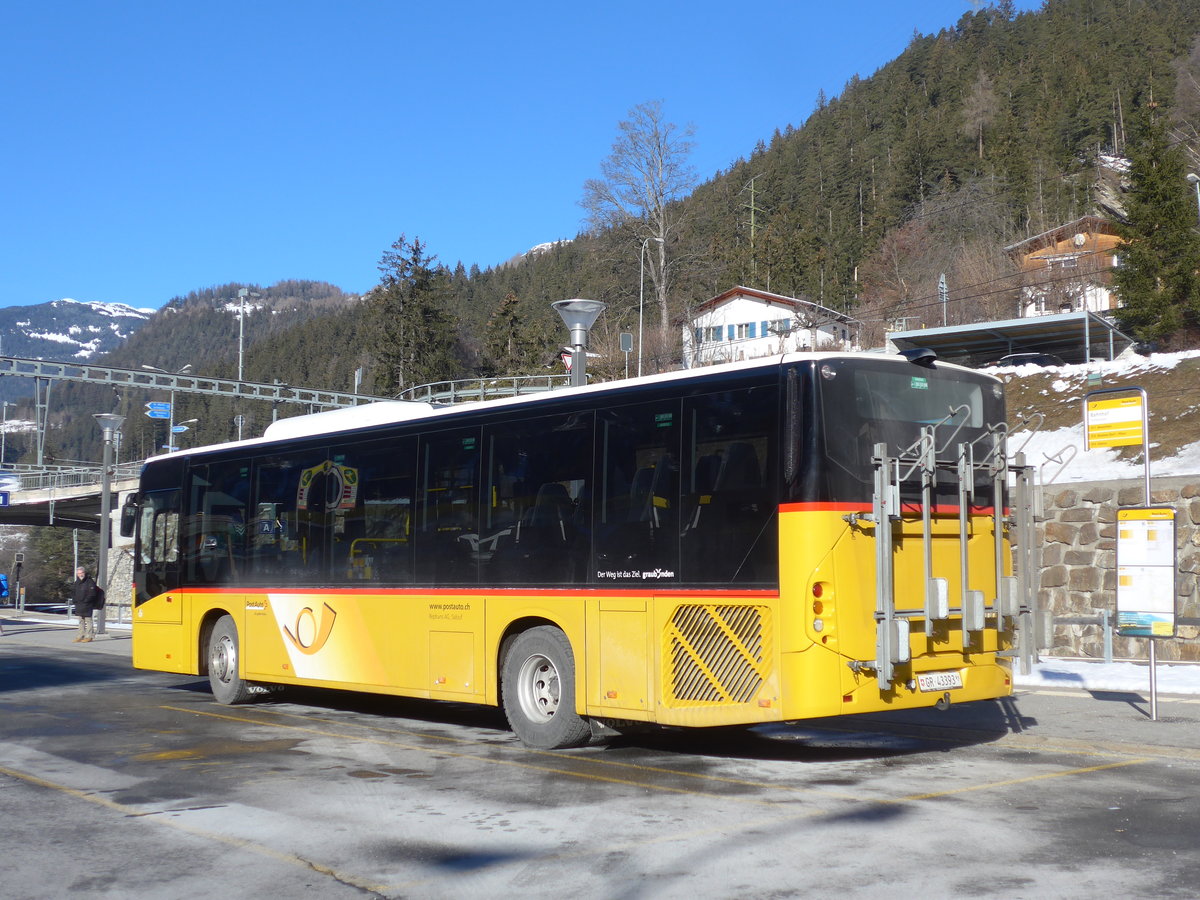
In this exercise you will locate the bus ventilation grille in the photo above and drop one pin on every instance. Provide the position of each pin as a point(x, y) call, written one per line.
point(718, 654)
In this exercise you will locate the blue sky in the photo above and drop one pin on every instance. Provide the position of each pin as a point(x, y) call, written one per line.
point(154, 148)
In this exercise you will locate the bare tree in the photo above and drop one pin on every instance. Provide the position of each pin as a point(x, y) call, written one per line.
point(980, 109)
point(641, 181)
point(1185, 114)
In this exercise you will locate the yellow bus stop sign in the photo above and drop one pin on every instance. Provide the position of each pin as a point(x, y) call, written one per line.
point(1114, 422)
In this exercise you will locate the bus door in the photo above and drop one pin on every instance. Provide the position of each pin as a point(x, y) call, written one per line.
point(158, 562)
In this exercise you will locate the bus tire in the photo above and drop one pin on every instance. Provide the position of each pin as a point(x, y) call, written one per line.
point(223, 661)
point(538, 687)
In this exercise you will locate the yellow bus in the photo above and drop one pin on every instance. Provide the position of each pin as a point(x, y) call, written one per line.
point(805, 536)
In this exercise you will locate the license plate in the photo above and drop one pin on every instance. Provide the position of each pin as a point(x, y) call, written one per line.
point(939, 681)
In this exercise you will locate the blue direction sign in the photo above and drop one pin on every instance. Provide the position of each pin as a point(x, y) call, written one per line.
point(178, 429)
point(158, 410)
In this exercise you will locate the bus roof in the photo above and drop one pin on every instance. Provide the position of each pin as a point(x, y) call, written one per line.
point(394, 411)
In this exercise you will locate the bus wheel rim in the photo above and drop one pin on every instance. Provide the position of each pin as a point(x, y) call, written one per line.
point(538, 688)
point(224, 659)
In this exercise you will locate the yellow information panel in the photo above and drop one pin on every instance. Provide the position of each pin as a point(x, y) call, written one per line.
point(1146, 572)
point(1115, 422)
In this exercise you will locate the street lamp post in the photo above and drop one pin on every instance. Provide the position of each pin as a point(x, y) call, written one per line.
point(171, 411)
point(578, 315)
point(642, 296)
point(1195, 180)
point(110, 425)
point(243, 293)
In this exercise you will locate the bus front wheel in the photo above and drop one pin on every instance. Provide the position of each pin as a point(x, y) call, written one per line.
point(227, 686)
point(538, 684)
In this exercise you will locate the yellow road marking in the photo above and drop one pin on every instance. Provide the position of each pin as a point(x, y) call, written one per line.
point(1011, 781)
point(158, 817)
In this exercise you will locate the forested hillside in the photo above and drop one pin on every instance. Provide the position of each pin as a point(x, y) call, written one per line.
point(988, 132)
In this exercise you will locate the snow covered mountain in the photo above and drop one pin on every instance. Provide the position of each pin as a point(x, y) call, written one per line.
point(67, 330)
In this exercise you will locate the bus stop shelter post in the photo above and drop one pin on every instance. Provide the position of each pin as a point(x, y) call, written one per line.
point(110, 425)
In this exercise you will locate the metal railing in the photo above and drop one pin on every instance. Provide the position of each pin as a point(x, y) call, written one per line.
point(181, 383)
point(56, 477)
point(1107, 622)
point(467, 390)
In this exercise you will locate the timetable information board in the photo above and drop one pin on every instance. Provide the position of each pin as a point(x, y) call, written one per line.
point(1146, 572)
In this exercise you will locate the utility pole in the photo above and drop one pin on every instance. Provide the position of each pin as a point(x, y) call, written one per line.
point(243, 293)
point(754, 210)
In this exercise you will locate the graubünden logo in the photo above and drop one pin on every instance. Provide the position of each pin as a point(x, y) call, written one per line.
point(310, 632)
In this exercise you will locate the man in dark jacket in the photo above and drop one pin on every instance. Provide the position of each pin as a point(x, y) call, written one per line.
point(84, 598)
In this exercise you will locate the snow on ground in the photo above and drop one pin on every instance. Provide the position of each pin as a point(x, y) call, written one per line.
point(1060, 451)
point(1061, 455)
point(1082, 674)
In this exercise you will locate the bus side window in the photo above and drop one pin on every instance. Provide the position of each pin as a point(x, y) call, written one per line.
point(730, 495)
point(288, 533)
point(372, 539)
point(636, 521)
point(216, 529)
point(447, 519)
point(538, 501)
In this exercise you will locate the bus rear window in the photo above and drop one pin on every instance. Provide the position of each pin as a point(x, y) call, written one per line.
point(865, 403)
point(899, 396)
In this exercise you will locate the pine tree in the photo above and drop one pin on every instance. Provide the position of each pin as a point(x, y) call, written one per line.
point(416, 335)
point(1157, 280)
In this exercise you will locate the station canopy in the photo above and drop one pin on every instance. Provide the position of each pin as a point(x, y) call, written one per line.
point(1076, 337)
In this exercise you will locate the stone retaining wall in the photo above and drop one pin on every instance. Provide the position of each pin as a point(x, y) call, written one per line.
point(1079, 561)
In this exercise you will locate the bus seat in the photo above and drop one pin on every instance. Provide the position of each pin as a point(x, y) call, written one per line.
point(640, 494)
point(552, 508)
point(740, 470)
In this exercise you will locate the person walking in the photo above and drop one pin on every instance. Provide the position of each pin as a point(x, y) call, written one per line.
point(84, 597)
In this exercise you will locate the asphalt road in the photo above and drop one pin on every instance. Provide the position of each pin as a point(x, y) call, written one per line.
point(119, 783)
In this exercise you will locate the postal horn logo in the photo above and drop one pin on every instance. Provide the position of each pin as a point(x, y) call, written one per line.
point(309, 633)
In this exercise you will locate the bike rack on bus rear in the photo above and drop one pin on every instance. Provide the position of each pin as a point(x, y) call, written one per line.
point(1014, 600)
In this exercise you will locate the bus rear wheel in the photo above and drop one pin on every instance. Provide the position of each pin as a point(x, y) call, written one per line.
point(538, 685)
point(223, 660)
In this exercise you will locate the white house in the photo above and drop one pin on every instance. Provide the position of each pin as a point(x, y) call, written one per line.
point(744, 323)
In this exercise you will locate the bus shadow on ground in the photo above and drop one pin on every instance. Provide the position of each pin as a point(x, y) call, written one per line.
point(420, 712)
point(872, 736)
point(835, 739)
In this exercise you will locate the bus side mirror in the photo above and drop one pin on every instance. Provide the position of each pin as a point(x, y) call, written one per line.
point(129, 513)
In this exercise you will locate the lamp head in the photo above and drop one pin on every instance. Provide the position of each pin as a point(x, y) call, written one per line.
point(110, 423)
point(1193, 178)
point(579, 314)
